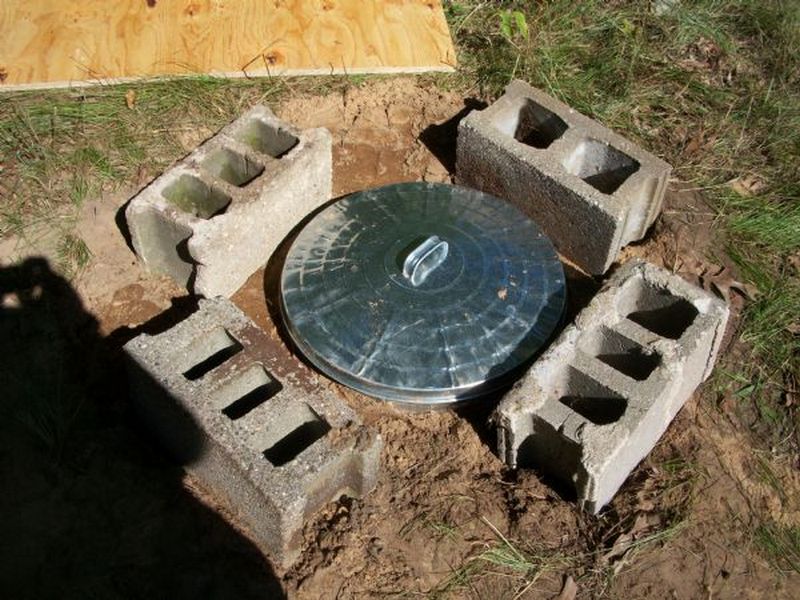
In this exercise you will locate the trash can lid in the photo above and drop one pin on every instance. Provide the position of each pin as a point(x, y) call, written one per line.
point(420, 293)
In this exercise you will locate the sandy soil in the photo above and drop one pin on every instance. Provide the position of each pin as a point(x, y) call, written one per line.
point(444, 497)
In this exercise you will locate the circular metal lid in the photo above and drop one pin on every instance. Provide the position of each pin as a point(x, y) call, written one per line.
point(421, 293)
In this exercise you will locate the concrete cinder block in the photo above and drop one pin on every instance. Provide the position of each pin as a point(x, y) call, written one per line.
point(595, 404)
point(215, 217)
point(249, 423)
point(589, 189)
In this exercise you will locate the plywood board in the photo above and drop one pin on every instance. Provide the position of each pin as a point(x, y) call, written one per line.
point(46, 43)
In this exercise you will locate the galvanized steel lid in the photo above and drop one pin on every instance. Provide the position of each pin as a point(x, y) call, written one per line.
point(426, 294)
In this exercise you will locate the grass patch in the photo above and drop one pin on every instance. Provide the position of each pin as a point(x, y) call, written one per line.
point(59, 147)
point(593, 561)
point(73, 254)
point(439, 528)
point(780, 545)
point(523, 567)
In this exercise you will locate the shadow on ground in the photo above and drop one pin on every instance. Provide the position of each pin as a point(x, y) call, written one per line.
point(90, 505)
point(441, 139)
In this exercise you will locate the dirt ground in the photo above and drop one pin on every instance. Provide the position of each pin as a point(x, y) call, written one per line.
point(682, 525)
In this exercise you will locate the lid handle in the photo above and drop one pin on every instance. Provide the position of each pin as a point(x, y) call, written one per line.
point(423, 259)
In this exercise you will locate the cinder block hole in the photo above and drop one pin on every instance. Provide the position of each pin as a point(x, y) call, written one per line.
point(193, 196)
point(182, 251)
point(591, 399)
point(537, 126)
point(164, 245)
point(210, 351)
point(622, 354)
point(267, 139)
point(657, 309)
point(246, 392)
point(555, 457)
point(308, 428)
point(232, 167)
point(602, 166)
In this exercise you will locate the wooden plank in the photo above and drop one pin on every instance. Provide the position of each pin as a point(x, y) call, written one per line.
point(72, 42)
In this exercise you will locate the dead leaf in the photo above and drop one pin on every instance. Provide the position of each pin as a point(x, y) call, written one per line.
point(645, 504)
point(130, 99)
point(3, 74)
point(749, 185)
point(794, 261)
point(680, 133)
point(790, 392)
point(720, 281)
point(695, 143)
point(569, 589)
point(703, 55)
point(142, 176)
point(644, 524)
point(620, 546)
